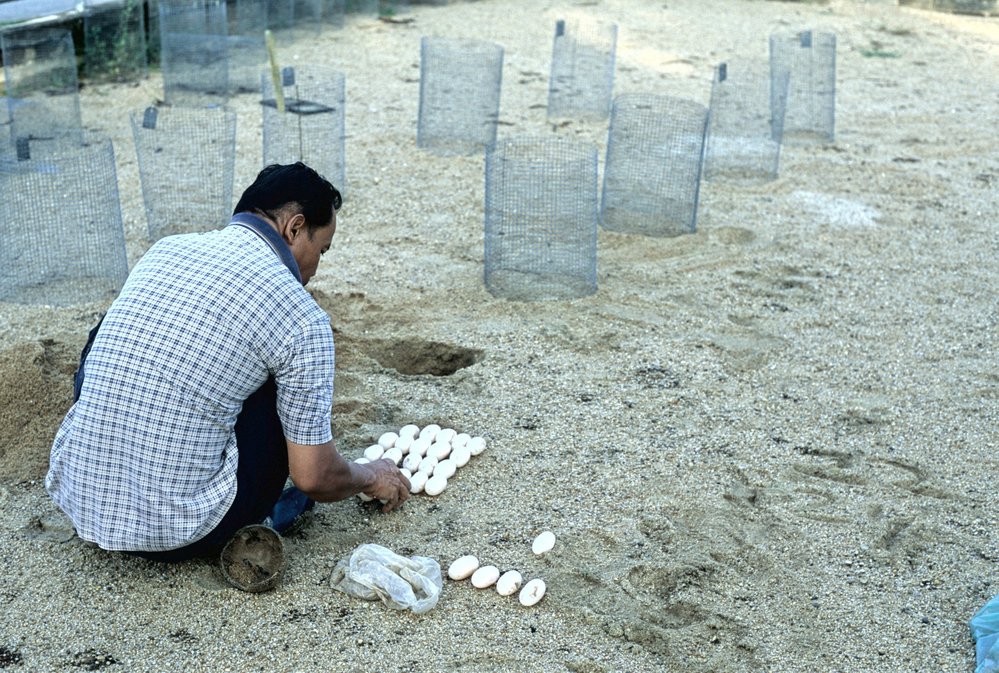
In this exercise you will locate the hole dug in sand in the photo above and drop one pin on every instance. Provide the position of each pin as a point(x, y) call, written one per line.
point(415, 357)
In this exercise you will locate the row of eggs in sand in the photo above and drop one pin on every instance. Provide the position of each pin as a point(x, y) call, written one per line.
point(428, 456)
point(507, 583)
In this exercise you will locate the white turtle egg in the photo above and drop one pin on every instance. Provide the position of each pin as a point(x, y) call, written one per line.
point(532, 592)
point(543, 543)
point(365, 497)
point(420, 446)
point(462, 567)
point(439, 450)
point(417, 482)
point(388, 440)
point(508, 583)
point(435, 485)
point(461, 439)
point(445, 468)
point(445, 435)
point(412, 462)
point(485, 576)
point(460, 455)
point(427, 465)
point(409, 431)
point(403, 444)
point(374, 452)
point(406, 473)
point(393, 454)
point(476, 445)
point(362, 460)
point(430, 431)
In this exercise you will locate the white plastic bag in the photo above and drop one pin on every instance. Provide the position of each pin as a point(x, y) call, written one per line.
point(374, 572)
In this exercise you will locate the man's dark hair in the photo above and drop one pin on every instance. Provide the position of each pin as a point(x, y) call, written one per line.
point(280, 185)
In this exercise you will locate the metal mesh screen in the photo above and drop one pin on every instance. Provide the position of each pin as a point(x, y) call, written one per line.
point(61, 235)
point(247, 52)
point(581, 82)
point(6, 143)
point(746, 124)
point(541, 219)
point(459, 94)
point(114, 35)
point(362, 6)
point(295, 19)
point(152, 31)
point(43, 93)
point(652, 173)
point(808, 60)
point(311, 129)
point(334, 13)
point(186, 162)
point(194, 52)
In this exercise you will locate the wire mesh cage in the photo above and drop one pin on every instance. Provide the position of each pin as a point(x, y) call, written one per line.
point(61, 236)
point(652, 173)
point(746, 124)
point(581, 82)
point(291, 20)
point(194, 52)
point(311, 128)
point(152, 31)
point(6, 143)
point(460, 83)
point(186, 163)
point(541, 219)
point(43, 92)
point(114, 35)
point(334, 13)
point(362, 6)
point(247, 51)
point(808, 60)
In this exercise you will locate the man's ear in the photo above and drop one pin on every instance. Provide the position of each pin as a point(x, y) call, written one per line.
point(294, 227)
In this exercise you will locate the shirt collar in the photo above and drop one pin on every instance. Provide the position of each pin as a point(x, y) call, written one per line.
point(271, 237)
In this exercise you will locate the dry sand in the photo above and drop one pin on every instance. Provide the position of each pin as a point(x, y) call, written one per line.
point(766, 446)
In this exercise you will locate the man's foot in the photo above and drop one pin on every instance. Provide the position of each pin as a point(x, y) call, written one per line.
point(290, 506)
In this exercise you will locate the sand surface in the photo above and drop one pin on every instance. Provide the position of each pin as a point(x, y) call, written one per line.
point(769, 445)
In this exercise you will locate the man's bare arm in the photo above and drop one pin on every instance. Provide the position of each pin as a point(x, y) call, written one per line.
point(325, 476)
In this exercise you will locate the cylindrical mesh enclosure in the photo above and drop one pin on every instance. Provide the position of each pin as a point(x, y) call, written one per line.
point(114, 36)
point(186, 164)
point(6, 143)
point(581, 82)
point(194, 52)
point(43, 93)
point(362, 6)
point(334, 13)
point(247, 52)
point(295, 19)
point(460, 83)
point(652, 174)
point(541, 219)
point(311, 129)
point(61, 235)
point(152, 31)
point(808, 60)
point(746, 124)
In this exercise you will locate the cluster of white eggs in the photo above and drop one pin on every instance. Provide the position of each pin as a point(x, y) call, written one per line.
point(428, 456)
point(507, 583)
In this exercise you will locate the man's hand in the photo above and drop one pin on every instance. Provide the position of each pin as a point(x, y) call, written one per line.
point(324, 475)
point(389, 485)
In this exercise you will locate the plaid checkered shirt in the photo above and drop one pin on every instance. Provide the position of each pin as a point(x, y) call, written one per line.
point(146, 458)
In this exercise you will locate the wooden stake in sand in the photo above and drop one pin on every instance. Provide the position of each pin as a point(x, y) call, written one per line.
point(275, 70)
